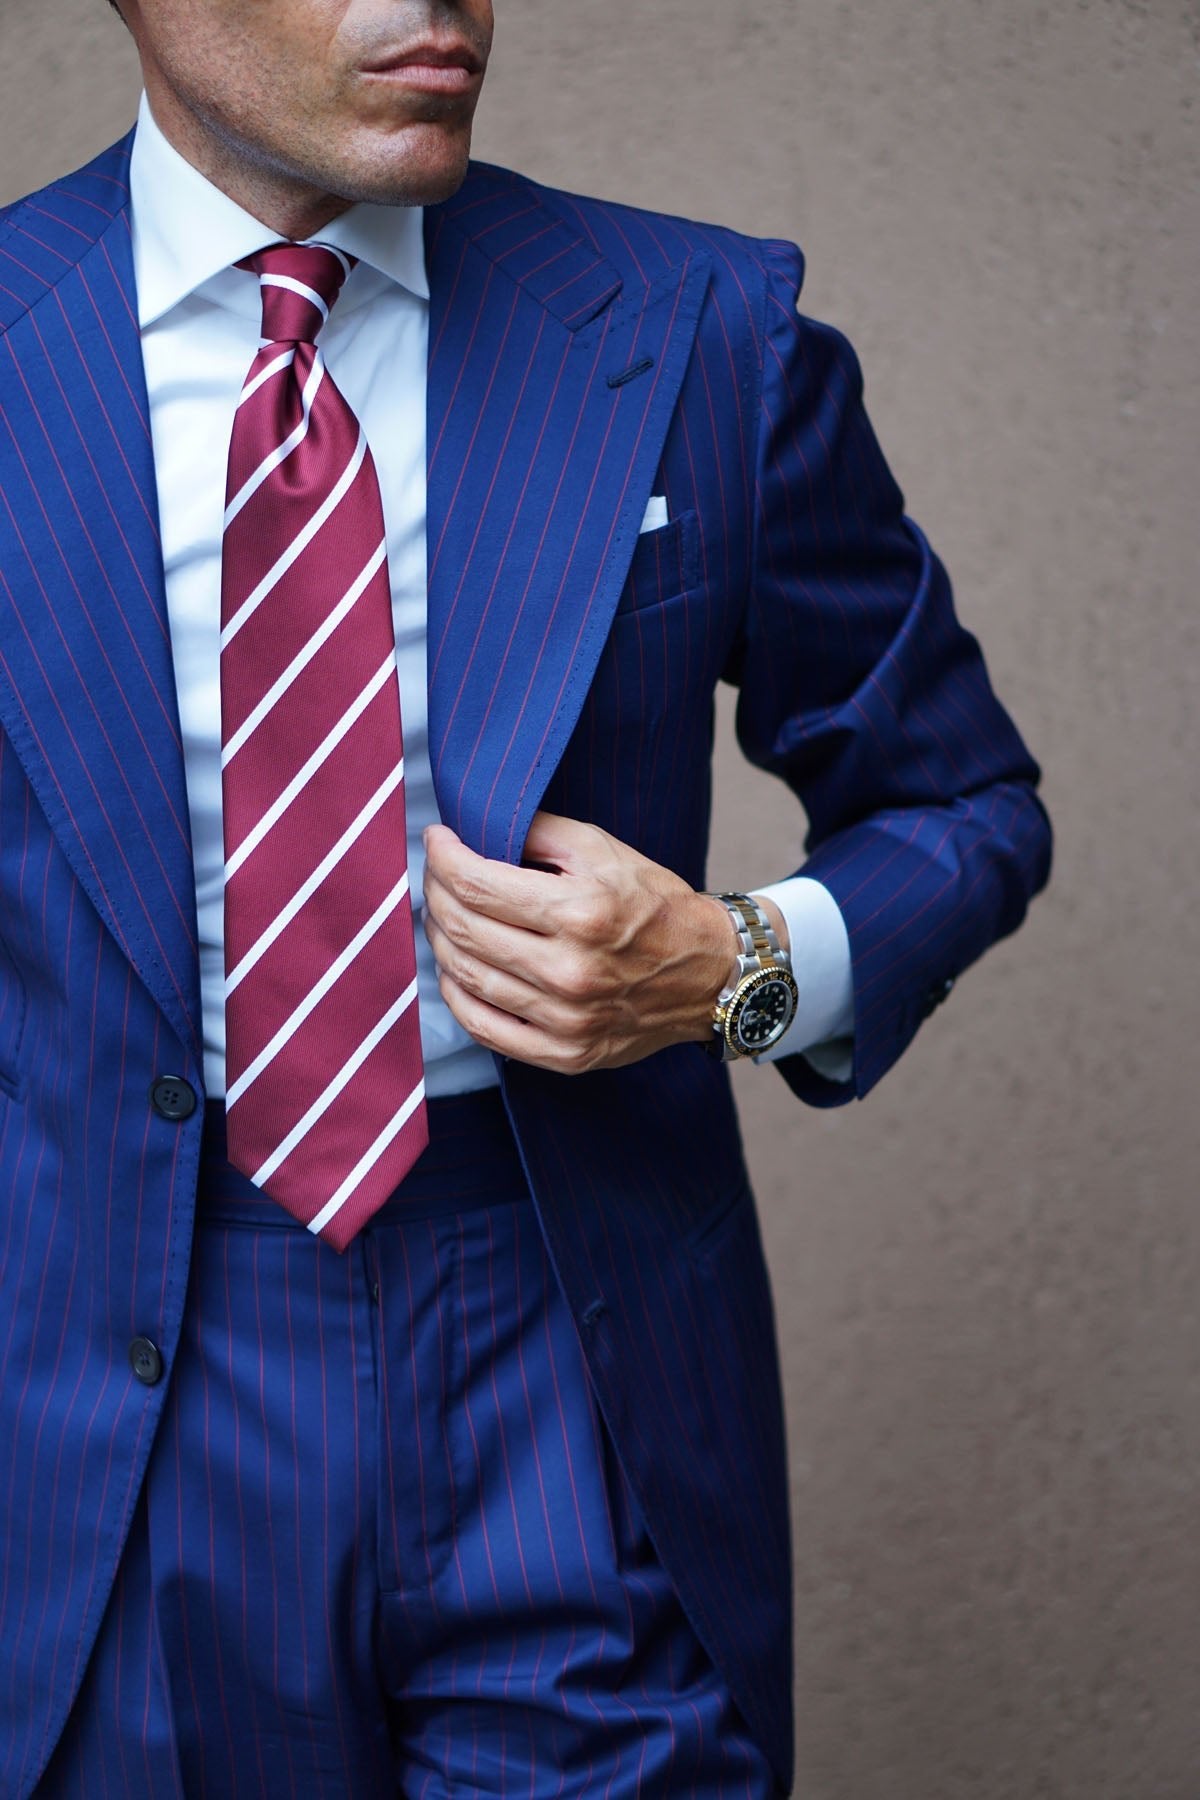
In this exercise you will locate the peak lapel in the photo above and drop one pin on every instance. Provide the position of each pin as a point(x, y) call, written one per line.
point(87, 693)
point(539, 471)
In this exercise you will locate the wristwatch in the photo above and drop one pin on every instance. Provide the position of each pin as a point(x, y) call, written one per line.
point(759, 1003)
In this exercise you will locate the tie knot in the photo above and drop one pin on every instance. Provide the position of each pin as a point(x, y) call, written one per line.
point(299, 284)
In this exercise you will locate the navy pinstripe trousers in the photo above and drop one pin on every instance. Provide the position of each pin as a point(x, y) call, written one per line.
point(384, 1545)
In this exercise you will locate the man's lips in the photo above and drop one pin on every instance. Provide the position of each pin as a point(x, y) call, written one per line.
point(435, 68)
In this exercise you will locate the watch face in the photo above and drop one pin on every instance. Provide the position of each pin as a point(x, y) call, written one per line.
point(764, 1015)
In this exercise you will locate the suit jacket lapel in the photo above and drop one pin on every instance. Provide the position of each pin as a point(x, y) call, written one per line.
point(87, 693)
point(551, 387)
point(550, 391)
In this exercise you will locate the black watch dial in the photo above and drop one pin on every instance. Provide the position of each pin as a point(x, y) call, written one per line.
point(764, 1015)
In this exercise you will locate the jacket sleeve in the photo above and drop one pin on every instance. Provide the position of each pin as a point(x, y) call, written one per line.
point(860, 688)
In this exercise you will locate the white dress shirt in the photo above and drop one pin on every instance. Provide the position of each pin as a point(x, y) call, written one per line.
point(200, 319)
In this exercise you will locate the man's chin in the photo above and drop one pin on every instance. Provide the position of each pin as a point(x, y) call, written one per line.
point(419, 167)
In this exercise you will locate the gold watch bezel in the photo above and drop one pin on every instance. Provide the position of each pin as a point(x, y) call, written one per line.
point(735, 1006)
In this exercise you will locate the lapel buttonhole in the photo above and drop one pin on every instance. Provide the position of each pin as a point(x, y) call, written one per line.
point(631, 373)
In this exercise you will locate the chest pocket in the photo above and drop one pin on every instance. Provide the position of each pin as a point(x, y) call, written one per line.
point(665, 563)
point(637, 763)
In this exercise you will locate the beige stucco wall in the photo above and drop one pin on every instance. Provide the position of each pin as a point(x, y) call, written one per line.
point(987, 1276)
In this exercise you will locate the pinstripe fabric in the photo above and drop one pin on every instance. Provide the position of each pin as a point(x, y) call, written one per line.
point(399, 1557)
point(582, 356)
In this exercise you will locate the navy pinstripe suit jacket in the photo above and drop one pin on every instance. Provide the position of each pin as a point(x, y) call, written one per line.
point(582, 356)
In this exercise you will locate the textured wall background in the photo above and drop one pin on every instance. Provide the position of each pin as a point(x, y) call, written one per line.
point(987, 1277)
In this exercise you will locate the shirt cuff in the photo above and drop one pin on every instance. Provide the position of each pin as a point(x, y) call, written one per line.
point(823, 1028)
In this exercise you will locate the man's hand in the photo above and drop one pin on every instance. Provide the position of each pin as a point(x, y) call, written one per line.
point(593, 958)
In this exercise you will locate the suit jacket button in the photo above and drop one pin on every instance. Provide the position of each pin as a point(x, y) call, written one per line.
point(936, 995)
point(172, 1098)
point(145, 1359)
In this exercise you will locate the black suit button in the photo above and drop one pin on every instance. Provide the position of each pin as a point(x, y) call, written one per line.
point(145, 1359)
point(936, 995)
point(172, 1098)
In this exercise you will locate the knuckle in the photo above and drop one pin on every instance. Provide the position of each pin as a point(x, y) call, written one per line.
point(577, 1059)
point(448, 935)
point(474, 977)
point(574, 1029)
point(579, 980)
point(559, 1019)
point(455, 926)
point(590, 921)
point(462, 969)
point(470, 892)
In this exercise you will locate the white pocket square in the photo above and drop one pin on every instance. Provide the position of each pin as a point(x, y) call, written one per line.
point(656, 513)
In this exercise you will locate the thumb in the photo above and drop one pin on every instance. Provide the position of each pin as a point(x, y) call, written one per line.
point(564, 846)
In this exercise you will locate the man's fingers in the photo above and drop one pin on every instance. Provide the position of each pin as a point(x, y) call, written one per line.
point(516, 948)
point(520, 897)
point(551, 978)
point(499, 1031)
point(587, 968)
point(496, 981)
point(531, 900)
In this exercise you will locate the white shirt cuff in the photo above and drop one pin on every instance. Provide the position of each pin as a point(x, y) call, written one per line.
point(823, 1028)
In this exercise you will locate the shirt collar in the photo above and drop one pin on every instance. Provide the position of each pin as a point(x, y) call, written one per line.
point(186, 231)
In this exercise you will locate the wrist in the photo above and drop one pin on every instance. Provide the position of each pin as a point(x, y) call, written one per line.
point(754, 1009)
point(714, 936)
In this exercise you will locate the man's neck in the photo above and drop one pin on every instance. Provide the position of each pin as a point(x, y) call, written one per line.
point(295, 209)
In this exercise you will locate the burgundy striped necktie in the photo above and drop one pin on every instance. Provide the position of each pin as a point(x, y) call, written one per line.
point(325, 1093)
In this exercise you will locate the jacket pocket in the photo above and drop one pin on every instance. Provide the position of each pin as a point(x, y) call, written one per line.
point(665, 563)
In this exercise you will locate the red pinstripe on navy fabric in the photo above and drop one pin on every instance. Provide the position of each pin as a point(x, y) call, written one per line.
point(77, 1422)
point(540, 555)
point(478, 526)
point(129, 706)
point(81, 677)
point(535, 1698)
point(517, 604)
point(597, 463)
point(798, 578)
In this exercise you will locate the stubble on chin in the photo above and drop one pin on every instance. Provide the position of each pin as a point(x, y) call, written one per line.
point(373, 153)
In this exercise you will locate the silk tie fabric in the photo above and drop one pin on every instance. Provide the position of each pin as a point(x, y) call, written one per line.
point(324, 1080)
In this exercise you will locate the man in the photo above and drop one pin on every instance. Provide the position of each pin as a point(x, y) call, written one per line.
point(476, 1484)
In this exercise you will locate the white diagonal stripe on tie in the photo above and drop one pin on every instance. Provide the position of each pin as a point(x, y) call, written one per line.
point(334, 1103)
point(273, 368)
point(323, 869)
point(367, 1162)
point(299, 543)
point(317, 992)
point(282, 451)
point(326, 1098)
point(333, 250)
point(302, 658)
point(299, 781)
point(297, 287)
